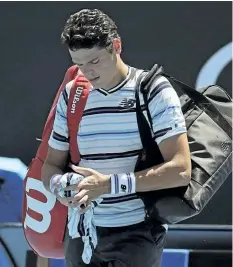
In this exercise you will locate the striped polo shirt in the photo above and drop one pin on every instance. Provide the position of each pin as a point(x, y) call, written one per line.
point(109, 140)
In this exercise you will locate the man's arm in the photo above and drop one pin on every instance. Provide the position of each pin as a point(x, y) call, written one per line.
point(54, 164)
point(175, 172)
point(168, 127)
point(58, 143)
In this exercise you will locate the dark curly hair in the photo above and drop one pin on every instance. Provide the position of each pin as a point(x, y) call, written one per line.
point(88, 28)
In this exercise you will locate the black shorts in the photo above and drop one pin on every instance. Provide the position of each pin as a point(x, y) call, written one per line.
point(138, 245)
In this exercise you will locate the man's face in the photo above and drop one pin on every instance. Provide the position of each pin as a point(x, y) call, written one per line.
point(98, 65)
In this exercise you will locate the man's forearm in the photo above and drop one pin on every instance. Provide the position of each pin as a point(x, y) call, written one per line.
point(48, 170)
point(163, 176)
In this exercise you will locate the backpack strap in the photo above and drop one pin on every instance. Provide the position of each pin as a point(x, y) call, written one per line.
point(145, 84)
point(76, 104)
point(143, 126)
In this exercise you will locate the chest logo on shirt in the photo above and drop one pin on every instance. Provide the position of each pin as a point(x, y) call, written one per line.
point(127, 103)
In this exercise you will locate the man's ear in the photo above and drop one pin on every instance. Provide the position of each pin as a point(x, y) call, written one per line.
point(117, 46)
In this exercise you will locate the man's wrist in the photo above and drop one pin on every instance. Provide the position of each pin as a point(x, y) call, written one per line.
point(123, 183)
point(107, 185)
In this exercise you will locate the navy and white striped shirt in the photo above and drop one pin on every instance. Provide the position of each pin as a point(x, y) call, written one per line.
point(109, 141)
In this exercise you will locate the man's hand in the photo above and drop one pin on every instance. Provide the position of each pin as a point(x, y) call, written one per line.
point(91, 187)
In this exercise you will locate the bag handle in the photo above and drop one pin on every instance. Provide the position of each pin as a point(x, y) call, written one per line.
point(199, 99)
point(204, 104)
point(77, 100)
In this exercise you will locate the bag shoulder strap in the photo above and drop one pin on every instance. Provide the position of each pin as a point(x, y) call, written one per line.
point(76, 104)
point(140, 88)
point(143, 126)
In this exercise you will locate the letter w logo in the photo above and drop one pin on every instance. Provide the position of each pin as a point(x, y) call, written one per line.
point(42, 208)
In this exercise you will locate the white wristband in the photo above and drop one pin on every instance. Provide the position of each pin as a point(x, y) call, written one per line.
point(123, 183)
point(54, 182)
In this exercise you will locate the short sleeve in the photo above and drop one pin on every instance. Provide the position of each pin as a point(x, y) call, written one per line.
point(59, 138)
point(165, 110)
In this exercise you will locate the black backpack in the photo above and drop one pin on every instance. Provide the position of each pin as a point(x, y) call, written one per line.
point(208, 116)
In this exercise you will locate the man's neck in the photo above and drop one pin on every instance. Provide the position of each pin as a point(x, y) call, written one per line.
point(121, 75)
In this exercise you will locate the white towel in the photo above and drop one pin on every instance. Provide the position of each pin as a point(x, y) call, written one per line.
point(80, 225)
